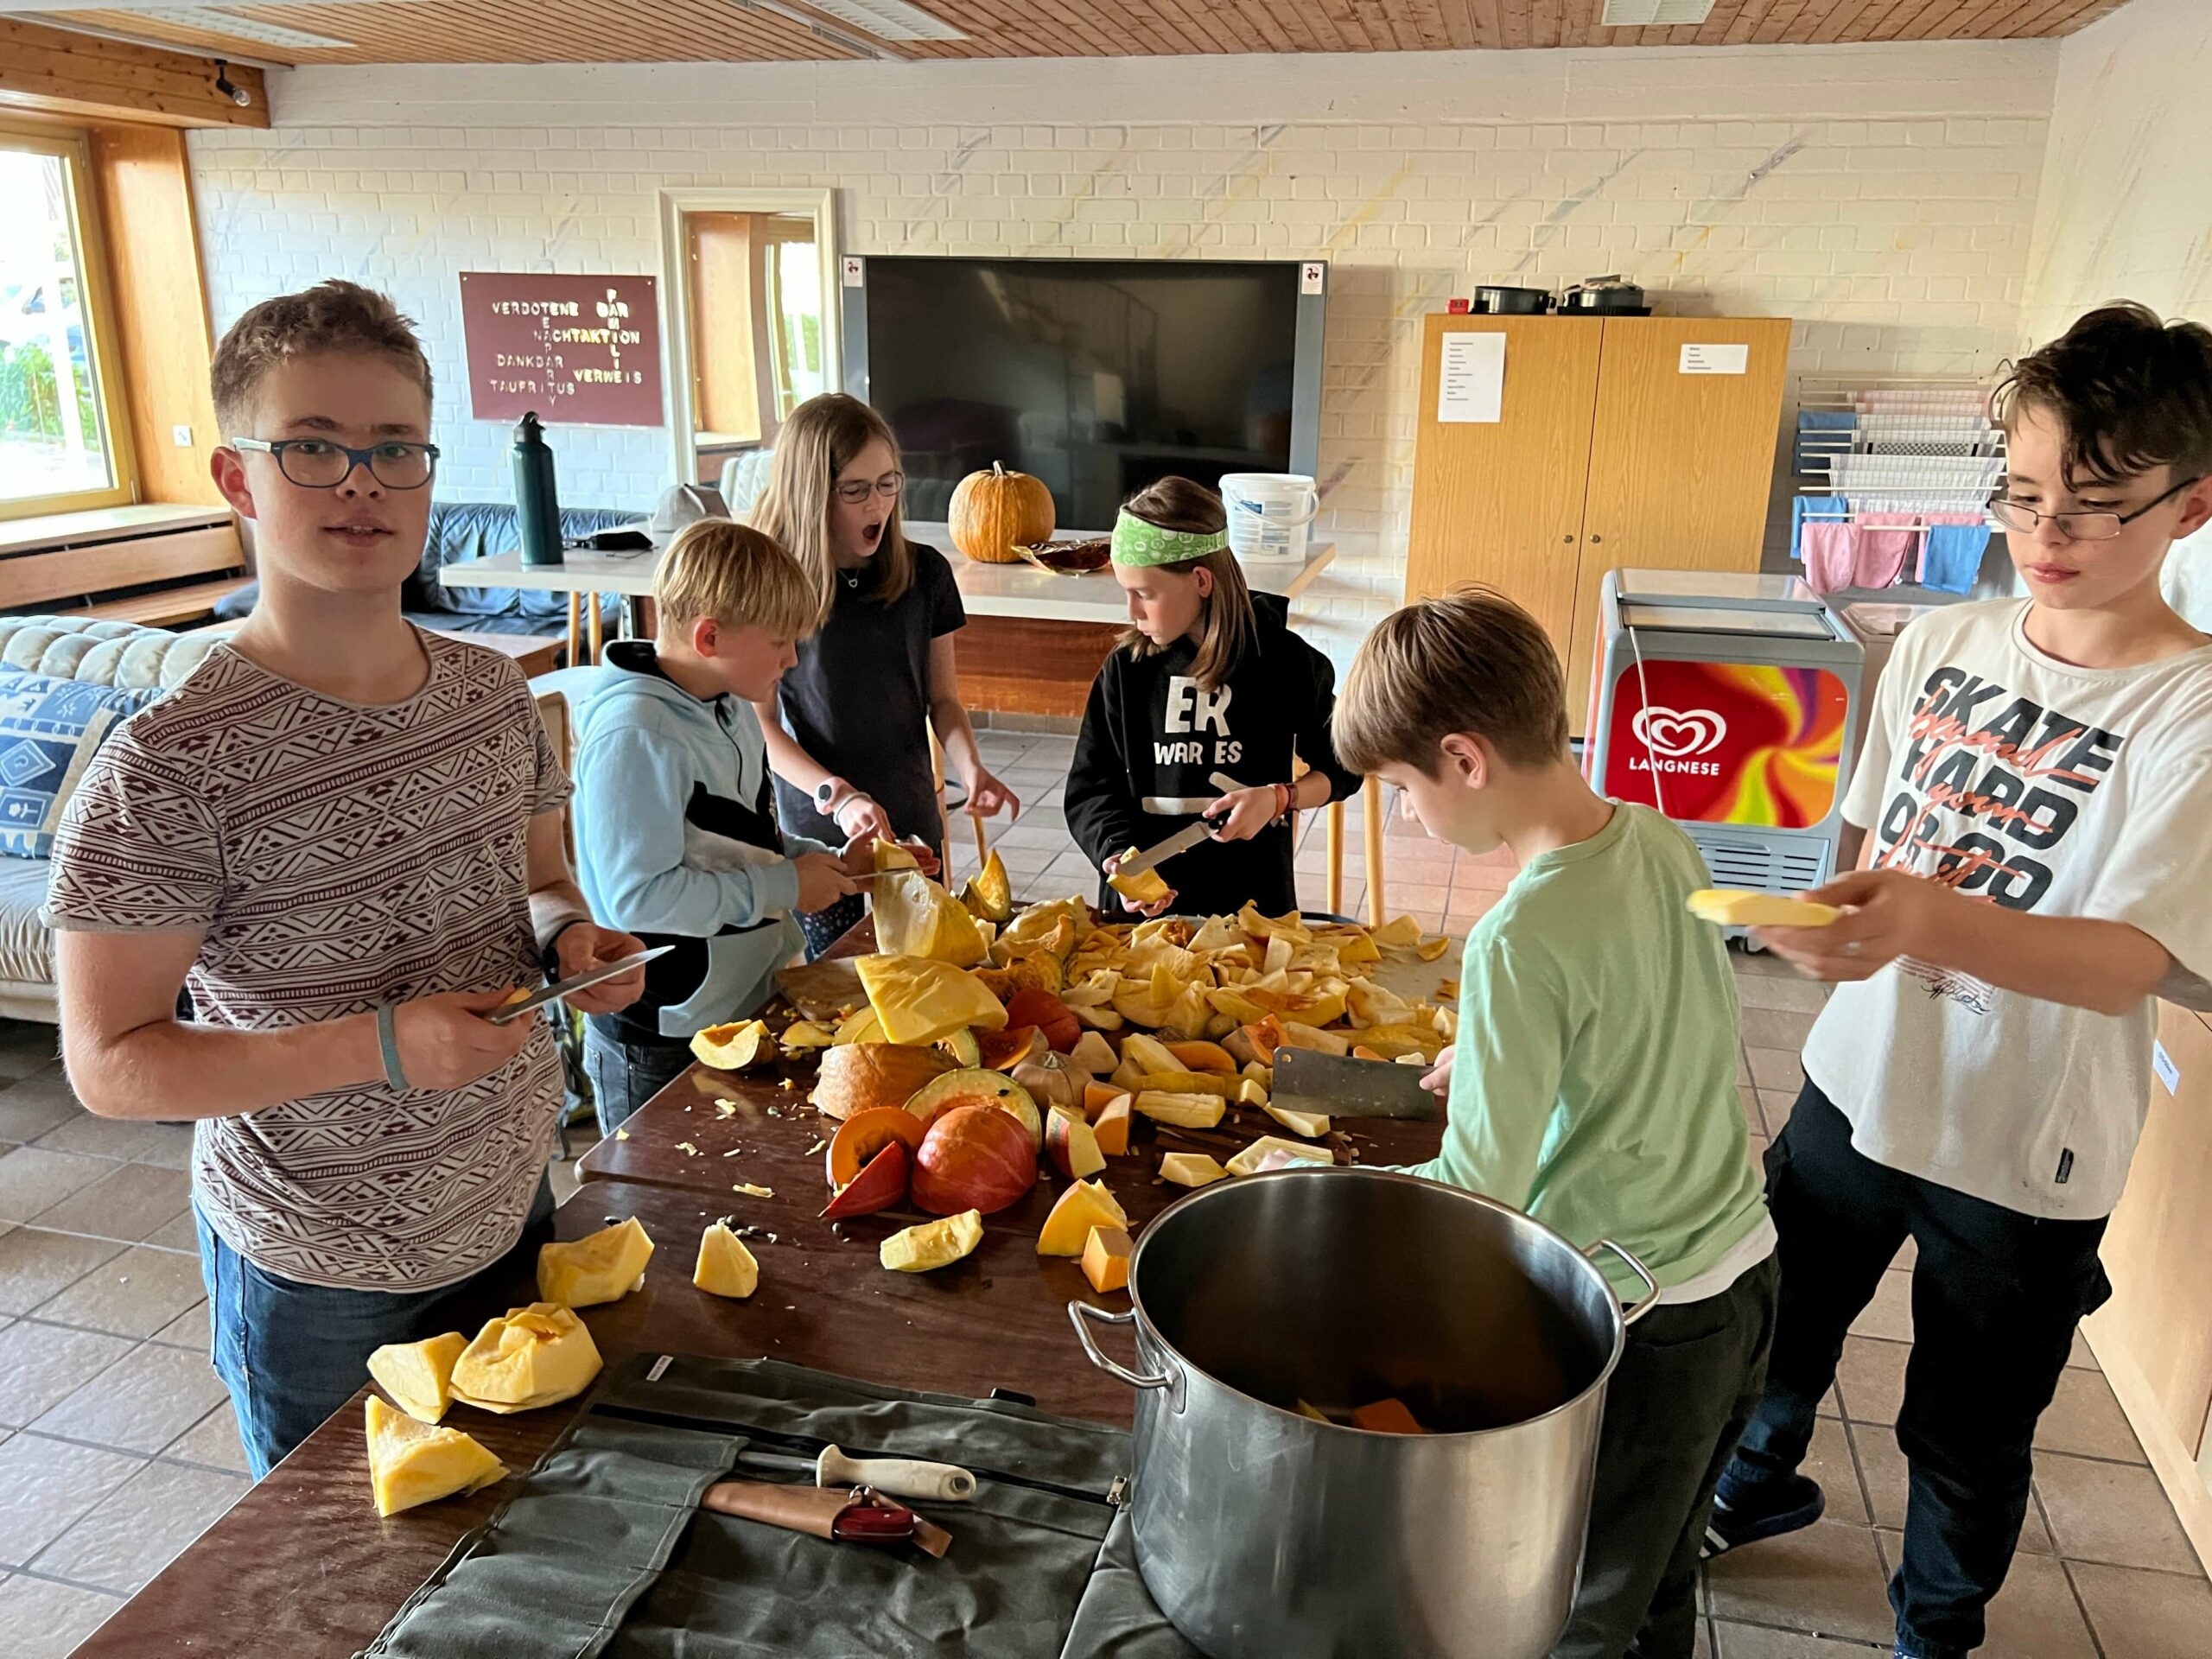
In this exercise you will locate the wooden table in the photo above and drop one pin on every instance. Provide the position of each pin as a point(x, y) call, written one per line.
point(304, 1568)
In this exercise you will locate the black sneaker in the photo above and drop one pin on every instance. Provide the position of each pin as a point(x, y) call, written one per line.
point(1767, 1510)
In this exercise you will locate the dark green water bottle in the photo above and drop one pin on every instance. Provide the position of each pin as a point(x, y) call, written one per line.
point(538, 505)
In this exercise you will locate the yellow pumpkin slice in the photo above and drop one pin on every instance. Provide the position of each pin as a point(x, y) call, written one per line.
point(918, 1001)
point(915, 916)
point(418, 1376)
point(990, 892)
point(602, 1267)
point(726, 1268)
point(536, 1355)
point(933, 1244)
point(733, 1047)
point(413, 1462)
point(1084, 1206)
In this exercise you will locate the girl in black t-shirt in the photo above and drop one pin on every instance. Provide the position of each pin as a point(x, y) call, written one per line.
point(1208, 682)
point(849, 731)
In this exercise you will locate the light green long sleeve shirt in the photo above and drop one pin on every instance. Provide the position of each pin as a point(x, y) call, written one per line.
point(1594, 1085)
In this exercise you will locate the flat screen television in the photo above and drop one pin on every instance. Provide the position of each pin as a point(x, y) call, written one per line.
point(1097, 376)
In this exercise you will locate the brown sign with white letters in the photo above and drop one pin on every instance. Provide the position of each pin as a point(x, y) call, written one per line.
point(580, 351)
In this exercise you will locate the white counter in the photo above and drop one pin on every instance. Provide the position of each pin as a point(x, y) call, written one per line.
point(1020, 590)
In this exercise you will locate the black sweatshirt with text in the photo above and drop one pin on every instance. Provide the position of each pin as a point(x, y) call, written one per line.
point(1152, 737)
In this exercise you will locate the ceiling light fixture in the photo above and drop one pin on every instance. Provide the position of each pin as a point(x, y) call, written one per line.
point(888, 20)
point(206, 20)
point(1641, 14)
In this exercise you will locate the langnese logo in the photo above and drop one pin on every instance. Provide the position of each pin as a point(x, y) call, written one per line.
point(1674, 738)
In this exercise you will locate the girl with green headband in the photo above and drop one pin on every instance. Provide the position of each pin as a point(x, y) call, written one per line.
point(1208, 682)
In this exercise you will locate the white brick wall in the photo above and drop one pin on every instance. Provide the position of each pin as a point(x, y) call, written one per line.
point(1899, 241)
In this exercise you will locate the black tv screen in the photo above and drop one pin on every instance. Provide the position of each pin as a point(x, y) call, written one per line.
point(1098, 377)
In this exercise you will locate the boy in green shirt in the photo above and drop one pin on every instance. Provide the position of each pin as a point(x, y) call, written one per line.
point(1593, 1082)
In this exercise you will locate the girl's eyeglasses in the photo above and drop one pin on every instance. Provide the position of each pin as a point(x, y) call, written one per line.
point(319, 464)
point(2077, 526)
point(887, 486)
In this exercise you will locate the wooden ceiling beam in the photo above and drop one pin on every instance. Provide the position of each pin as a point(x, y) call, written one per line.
point(59, 72)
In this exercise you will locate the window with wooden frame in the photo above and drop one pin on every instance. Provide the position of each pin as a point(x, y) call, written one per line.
point(65, 443)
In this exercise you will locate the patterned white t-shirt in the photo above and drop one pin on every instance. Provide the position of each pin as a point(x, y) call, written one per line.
point(2030, 783)
point(339, 856)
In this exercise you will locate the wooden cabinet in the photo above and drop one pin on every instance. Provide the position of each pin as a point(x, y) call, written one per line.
point(2154, 1337)
point(1609, 452)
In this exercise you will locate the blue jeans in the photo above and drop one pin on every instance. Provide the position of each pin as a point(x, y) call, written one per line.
point(625, 1075)
point(291, 1354)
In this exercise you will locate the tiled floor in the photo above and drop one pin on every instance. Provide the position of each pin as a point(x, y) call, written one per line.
point(117, 1446)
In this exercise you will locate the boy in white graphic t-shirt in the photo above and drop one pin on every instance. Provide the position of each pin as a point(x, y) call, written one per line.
point(2034, 793)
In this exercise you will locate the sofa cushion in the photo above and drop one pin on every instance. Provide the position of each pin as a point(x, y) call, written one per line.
point(98, 652)
point(49, 729)
point(26, 948)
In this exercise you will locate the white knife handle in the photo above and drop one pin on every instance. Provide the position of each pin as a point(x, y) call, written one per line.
point(899, 1476)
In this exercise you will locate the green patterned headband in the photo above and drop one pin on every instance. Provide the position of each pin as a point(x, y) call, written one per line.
point(1136, 542)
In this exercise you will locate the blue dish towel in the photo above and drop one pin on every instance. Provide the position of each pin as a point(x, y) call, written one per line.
point(1819, 420)
point(1824, 505)
point(1952, 556)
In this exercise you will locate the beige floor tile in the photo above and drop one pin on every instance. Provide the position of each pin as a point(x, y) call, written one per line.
point(27, 1048)
point(103, 1137)
point(45, 1486)
point(1756, 1642)
point(177, 1234)
point(214, 1441)
point(1889, 1316)
point(140, 1403)
point(126, 1203)
point(40, 1620)
point(2140, 1615)
point(1776, 1027)
point(29, 1109)
point(1775, 1068)
point(1828, 1578)
point(1828, 1461)
point(1759, 962)
point(41, 1365)
point(1772, 991)
point(1776, 1105)
point(2084, 1419)
point(1750, 1097)
point(2113, 1513)
point(33, 1178)
point(134, 1295)
point(2082, 1355)
point(1870, 1379)
point(36, 1266)
point(142, 1526)
point(189, 1329)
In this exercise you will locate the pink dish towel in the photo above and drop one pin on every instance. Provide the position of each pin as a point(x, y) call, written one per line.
point(1831, 549)
point(1882, 551)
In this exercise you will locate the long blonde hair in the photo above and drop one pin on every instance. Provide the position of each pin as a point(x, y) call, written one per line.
point(816, 442)
point(1225, 622)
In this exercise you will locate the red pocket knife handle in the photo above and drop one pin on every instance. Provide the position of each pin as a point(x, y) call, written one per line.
point(870, 1520)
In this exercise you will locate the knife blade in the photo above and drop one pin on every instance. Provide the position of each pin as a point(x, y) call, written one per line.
point(1336, 1085)
point(1160, 851)
point(561, 988)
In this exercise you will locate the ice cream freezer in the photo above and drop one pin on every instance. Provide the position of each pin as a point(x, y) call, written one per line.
point(1731, 704)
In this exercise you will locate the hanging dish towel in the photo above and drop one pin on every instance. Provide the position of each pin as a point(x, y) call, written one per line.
point(1831, 554)
point(1816, 507)
point(1952, 557)
point(1882, 551)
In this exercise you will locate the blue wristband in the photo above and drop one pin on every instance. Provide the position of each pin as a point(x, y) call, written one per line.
point(388, 1040)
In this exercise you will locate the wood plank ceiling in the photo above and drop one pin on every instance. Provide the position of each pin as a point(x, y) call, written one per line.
point(658, 31)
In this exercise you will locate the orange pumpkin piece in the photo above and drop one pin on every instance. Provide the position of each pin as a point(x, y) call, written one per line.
point(1097, 1096)
point(863, 1135)
point(1203, 1056)
point(1388, 1416)
point(1106, 1259)
point(1111, 1130)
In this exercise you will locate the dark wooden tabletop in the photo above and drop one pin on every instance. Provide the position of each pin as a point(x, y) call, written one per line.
point(302, 1567)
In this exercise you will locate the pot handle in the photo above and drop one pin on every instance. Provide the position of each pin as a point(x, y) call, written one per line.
point(1079, 1312)
point(1650, 1299)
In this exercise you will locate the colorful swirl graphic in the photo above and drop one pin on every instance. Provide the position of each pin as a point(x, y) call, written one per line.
point(1727, 742)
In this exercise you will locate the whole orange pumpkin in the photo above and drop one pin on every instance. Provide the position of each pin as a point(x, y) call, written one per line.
point(973, 1158)
point(993, 513)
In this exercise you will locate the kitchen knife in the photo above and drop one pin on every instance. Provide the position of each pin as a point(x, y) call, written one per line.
point(1336, 1085)
point(561, 988)
point(901, 1477)
point(1160, 852)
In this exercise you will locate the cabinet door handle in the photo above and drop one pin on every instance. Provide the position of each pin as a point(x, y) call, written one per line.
point(1569, 539)
point(1594, 540)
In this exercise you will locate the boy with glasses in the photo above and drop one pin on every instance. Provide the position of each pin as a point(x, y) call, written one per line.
point(2037, 779)
point(343, 835)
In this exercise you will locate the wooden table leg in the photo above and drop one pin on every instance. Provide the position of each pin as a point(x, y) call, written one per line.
point(936, 788)
point(1337, 855)
point(1373, 794)
point(598, 628)
point(575, 627)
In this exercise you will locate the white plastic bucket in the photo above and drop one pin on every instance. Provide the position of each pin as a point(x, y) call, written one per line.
point(1269, 513)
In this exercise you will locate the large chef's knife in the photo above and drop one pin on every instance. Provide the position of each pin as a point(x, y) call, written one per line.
point(1336, 1085)
point(561, 988)
point(1160, 851)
